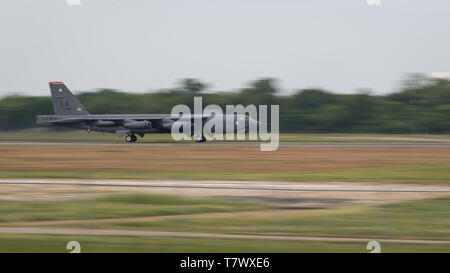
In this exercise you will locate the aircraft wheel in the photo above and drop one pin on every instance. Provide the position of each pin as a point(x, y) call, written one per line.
point(129, 138)
point(134, 138)
point(200, 140)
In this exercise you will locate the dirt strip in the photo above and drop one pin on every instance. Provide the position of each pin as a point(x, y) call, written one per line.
point(207, 235)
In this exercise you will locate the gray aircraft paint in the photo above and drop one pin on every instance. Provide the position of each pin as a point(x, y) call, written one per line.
point(69, 112)
point(64, 102)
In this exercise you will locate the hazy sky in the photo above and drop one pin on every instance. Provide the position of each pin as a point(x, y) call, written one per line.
point(141, 45)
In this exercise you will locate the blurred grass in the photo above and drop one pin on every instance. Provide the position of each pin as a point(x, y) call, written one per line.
point(424, 219)
point(112, 206)
point(57, 243)
point(78, 135)
point(436, 173)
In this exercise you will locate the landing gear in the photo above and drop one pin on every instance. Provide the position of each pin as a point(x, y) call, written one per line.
point(130, 138)
point(200, 139)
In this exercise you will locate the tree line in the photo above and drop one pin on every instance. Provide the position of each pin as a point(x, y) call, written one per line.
point(421, 105)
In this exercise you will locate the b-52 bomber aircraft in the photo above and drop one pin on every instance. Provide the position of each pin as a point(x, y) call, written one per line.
point(69, 112)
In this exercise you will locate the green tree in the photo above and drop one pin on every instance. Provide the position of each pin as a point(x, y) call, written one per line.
point(192, 86)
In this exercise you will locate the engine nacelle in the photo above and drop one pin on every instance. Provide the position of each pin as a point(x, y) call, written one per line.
point(167, 125)
point(104, 123)
point(144, 124)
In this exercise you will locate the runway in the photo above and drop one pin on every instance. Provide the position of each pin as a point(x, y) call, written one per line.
point(239, 185)
point(234, 144)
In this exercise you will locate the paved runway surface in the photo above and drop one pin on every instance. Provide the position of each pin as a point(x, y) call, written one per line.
point(238, 185)
point(236, 144)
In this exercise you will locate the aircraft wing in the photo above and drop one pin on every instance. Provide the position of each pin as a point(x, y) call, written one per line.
point(93, 119)
point(120, 118)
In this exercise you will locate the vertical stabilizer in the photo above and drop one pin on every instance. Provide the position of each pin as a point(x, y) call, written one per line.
point(64, 102)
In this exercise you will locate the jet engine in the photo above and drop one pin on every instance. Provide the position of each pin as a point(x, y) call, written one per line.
point(104, 123)
point(144, 124)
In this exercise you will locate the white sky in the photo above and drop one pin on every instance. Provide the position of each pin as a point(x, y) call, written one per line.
point(138, 45)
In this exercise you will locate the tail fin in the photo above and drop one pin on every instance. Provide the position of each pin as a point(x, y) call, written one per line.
point(64, 102)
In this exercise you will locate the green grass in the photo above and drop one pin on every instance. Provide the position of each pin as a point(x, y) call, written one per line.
point(112, 206)
point(78, 135)
point(57, 244)
point(425, 219)
point(426, 173)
